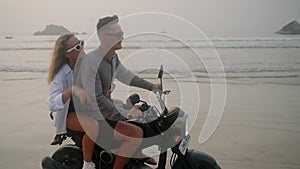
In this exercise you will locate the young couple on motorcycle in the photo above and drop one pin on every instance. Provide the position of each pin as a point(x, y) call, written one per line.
point(94, 73)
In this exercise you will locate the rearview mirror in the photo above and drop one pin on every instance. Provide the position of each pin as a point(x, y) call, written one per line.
point(161, 72)
point(133, 99)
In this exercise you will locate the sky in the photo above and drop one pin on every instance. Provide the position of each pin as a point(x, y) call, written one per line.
point(211, 16)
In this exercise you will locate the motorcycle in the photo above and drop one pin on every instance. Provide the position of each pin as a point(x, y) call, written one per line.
point(168, 126)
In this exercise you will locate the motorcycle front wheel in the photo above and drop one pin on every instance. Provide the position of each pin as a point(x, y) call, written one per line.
point(195, 160)
point(70, 156)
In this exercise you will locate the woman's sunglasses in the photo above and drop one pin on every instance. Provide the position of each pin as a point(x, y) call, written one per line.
point(77, 47)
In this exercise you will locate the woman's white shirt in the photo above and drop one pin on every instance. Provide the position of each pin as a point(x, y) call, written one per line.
point(61, 82)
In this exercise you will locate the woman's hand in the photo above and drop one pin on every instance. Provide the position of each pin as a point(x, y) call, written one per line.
point(81, 94)
point(112, 88)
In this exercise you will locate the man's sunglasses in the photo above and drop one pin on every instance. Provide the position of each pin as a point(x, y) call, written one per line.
point(77, 47)
point(118, 35)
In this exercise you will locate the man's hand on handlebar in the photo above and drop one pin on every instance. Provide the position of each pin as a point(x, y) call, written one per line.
point(134, 113)
point(155, 86)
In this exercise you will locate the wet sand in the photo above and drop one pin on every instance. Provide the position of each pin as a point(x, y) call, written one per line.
point(260, 127)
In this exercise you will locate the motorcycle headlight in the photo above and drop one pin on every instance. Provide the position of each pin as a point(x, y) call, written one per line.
point(187, 125)
point(182, 123)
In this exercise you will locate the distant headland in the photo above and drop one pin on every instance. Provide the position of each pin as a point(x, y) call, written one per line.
point(292, 28)
point(55, 30)
point(52, 30)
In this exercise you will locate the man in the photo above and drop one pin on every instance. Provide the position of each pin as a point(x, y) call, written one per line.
point(96, 73)
point(110, 35)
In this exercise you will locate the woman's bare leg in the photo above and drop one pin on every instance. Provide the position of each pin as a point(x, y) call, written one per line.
point(125, 131)
point(91, 129)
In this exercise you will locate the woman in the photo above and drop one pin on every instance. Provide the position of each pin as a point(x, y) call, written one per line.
point(66, 51)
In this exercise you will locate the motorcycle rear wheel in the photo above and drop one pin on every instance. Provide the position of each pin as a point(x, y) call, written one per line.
point(70, 156)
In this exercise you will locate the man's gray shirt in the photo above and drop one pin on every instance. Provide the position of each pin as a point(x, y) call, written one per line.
point(95, 74)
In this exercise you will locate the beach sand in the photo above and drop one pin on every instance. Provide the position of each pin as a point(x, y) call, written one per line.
point(260, 127)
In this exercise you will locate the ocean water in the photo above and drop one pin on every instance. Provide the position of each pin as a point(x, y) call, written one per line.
point(264, 59)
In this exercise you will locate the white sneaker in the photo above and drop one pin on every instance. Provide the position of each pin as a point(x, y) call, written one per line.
point(88, 165)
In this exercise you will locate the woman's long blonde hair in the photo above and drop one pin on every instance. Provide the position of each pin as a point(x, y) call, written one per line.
point(58, 57)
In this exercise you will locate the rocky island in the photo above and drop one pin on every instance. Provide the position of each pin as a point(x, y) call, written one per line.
point(292, 28)
point(52, 30)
